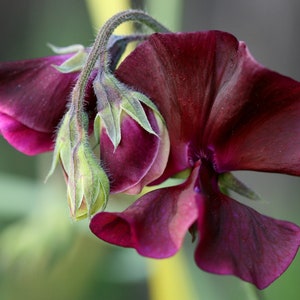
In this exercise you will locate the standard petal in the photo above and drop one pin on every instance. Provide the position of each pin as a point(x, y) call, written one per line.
point(155, 225)
point(182, 74)
point(139, 152)
point(237, 240)
point(262, 132)
point(218, 102)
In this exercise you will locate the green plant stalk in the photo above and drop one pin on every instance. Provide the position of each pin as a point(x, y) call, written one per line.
point(99, 50)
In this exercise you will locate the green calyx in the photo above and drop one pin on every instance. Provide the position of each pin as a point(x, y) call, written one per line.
point(64, 142)
point(115, 99)
point(75, 62)
point(87, 183)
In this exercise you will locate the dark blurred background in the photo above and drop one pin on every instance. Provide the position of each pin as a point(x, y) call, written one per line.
point(65, 261)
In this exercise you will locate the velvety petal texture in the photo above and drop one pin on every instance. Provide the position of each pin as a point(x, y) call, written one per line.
point(264, 134)
point(224, 111)
point(237, 240)
point(156, 224)
point(140, 158)
point(33, 98)
point(23, 138)
point(219, 101)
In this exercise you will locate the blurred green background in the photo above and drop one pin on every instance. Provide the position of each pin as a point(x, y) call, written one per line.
point(43, 254)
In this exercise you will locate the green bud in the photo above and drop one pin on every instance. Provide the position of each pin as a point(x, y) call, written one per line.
point(88, 185)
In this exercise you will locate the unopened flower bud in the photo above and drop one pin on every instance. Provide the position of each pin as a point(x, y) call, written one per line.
point(88, 185)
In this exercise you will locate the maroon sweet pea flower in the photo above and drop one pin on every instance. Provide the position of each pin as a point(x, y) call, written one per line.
point(224, 112)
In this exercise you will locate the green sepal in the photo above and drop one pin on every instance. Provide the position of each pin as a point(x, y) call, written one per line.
point(114, 98)
point(63, 145)
point(75, 62)
point(108, 111)
point(88, 184)
point(97, 128)
point(227, 181)
point(133, 107)
point(144, 99)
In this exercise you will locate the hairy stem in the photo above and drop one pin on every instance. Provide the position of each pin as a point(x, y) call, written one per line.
point(99, 51)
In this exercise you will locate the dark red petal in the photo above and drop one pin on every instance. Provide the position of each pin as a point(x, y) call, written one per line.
point(24, 139)
point(155, 225)
point(33, 97)
point(237, 240)
point(264, 133)
point(216, 98)
point(182, 73)
point(137, 160)
point(34, 92)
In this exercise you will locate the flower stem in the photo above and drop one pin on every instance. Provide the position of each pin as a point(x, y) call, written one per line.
point(99, 51)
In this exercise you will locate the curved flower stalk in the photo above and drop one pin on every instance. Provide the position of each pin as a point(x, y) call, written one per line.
point(224, 112)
